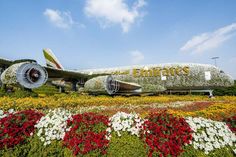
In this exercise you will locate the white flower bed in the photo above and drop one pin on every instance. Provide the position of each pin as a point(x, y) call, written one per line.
point(209, 135)
point(53, 126)
point(122, 121)
point(2, 114)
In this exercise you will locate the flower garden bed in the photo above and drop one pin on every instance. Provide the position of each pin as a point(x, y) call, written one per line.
point(218, 108)
point(75, 102)
point(61, 132)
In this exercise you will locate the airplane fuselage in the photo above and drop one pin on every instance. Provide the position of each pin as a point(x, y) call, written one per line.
point(161, 77)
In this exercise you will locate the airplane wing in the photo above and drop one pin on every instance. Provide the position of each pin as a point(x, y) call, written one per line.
point(66, 74)
point(54, 73)
point(69, 74)
point(5, 62)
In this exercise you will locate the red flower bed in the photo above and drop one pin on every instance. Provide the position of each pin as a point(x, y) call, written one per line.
point(166, 134)
point(17, 126)
point(231, 122)
point(87, 133)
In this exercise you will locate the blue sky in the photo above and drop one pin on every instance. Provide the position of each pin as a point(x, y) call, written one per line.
point(107, 33)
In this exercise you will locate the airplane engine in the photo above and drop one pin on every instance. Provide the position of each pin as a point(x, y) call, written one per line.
point(102, 84)
point(26, 74)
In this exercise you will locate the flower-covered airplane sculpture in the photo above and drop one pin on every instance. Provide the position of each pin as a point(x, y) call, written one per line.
point(171, 77)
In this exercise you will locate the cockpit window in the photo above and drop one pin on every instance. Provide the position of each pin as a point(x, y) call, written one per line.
point(222, 72)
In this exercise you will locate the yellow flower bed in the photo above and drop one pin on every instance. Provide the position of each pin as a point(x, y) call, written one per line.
point(68, 101)
point(221, 105)
point(216, 111)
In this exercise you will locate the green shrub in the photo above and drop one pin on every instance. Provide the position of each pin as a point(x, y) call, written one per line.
point(2, 92)
point(126, 145)
point(18, 150)
point(223, 152)
point(56, 148)
point(18, 93)
point(226, 91)
point(35, 148)
point(189, 151)
point(47, 90)
point(23, 94)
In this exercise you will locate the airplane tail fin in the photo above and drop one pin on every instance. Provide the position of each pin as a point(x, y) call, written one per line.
point(51, 59)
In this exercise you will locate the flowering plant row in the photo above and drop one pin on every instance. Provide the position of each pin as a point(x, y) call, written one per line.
point(87, 133)
point(166, 134)
point(231, 122)
point(209, 135)
point(122, 121)
point(16, 127)
point(53, 125)
point(76, 102)
point(163, 133)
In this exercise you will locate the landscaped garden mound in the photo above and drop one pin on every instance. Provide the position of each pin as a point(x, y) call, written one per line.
point(61, 132)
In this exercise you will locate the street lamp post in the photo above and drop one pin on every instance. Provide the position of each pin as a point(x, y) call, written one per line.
point(215, 58)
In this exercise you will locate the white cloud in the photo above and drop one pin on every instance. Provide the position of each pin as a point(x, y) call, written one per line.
point(109, 12)
point(136, 57)
point(58, 18)
point(209, 40)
